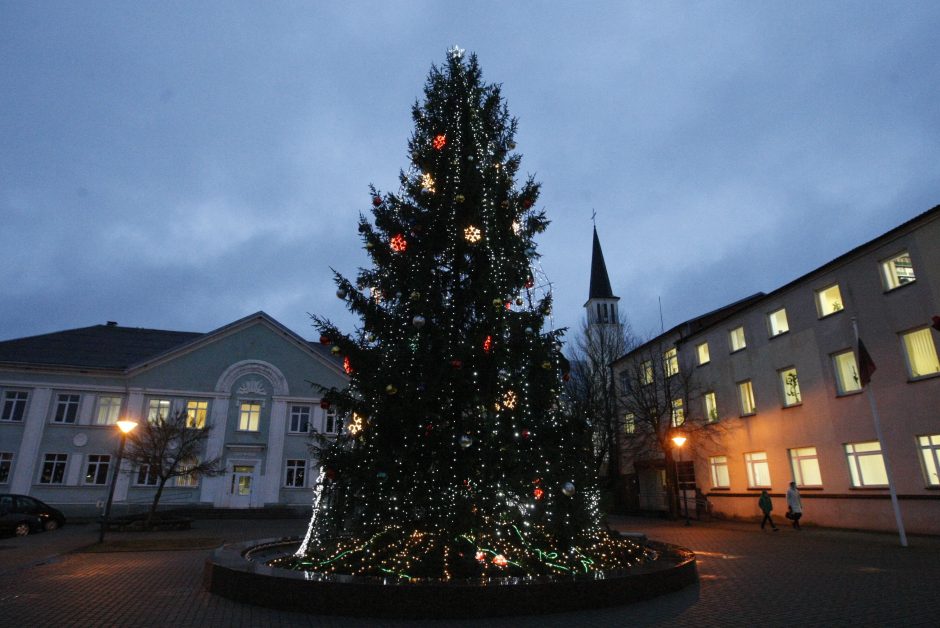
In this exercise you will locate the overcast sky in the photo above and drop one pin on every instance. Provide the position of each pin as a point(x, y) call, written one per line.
point(181, 165)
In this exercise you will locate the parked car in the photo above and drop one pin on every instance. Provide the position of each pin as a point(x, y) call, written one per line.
point(49, 518)
point(18, 523)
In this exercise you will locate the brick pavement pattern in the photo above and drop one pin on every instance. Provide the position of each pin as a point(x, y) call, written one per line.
point(748, 577)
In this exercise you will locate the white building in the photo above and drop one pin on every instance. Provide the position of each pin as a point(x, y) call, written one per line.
point(248, 383)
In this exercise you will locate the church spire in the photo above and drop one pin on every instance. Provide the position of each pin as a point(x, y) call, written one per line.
point(601, 305)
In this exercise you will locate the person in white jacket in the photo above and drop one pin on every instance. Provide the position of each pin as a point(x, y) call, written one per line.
point(794, 505)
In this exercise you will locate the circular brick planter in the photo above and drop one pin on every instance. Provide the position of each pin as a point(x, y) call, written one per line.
point(239, 572)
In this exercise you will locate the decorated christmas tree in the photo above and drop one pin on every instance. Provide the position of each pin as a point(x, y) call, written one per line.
point(457, 459)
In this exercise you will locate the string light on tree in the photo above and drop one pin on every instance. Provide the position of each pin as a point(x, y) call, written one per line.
point(472, 234)
point(439, 141)
point(427, 183)
point(398, 243)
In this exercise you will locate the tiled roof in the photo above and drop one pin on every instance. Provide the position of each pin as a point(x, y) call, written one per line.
point(100, 346)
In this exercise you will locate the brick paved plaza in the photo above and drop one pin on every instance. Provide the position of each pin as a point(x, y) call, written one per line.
point(748, 578)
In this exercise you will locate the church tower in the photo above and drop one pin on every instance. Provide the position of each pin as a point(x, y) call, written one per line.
point(601, 305)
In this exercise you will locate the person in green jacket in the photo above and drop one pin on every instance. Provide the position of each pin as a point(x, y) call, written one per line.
point(766, 506)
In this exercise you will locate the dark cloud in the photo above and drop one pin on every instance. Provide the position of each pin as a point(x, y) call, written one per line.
point(179, 166)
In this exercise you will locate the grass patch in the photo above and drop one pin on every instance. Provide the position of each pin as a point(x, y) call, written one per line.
point(152, 545)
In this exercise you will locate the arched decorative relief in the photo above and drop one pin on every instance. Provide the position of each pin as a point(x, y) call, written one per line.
point(252, 367)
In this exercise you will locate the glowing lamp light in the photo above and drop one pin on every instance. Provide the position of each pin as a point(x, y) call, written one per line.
point(427, 182)
point(126, 426)
point(679, 440)
point(472, 234)
point(398, 243)
point(439, 141)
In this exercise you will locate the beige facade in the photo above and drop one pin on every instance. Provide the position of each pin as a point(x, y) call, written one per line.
point(792, 356)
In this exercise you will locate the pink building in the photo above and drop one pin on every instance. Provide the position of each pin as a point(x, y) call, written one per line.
point(772, 392)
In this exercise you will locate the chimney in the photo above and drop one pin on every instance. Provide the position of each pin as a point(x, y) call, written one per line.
point(112, 323)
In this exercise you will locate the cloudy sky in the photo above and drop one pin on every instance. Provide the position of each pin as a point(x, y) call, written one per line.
point(181, 165)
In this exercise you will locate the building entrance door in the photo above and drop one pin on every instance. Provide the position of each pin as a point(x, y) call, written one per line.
point(241, 486)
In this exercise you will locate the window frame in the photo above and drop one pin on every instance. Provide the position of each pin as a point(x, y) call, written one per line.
point(821, 305)
point(646, 372)
point(332, 419)
point(677, 412)
point(58, 468)
point(197, 422)
point(14, 408)
point(6, 466)
point(856, 469)
point(187, 480)
point(99, 407)
point(785, 395)
point(796, 465)
point(711, 408)
point(715, 464)
point(841, 389)
point(145, 471)
point(732, 339)
point(161, 402)
point(67, 405)
point(246, 426)
point(102, 469)
point(629, 424)
point(290, 472)
point(772, 325)
point(290, 421)
point(902, 336)
point(751, 397)
point(929, 450)
point(752, 460)
point(671, 362)
point(890, 278)
point(698, 353)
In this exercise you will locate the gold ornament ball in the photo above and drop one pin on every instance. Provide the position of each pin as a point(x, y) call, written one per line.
point(461, 198)
point(335, 350)
point(546, 365)
point(390, 389)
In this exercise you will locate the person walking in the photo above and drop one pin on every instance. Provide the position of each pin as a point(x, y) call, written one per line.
point(766, 505)
point(794, 505)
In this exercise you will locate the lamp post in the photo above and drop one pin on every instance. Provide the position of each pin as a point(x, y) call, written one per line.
point(126, 426)
point(679, 441)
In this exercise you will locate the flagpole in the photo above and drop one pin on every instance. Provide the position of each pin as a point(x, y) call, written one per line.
point(884, 452)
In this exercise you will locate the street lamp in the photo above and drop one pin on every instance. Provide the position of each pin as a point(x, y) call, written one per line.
point(679, 441)
point(126, 426)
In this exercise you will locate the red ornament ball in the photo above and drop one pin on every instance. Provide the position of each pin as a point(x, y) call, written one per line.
point(526, 434)
point(527, 203)
point(566, 377)
point(456, 363)
point(325, 404)
point(376, 200)
point(324, 340)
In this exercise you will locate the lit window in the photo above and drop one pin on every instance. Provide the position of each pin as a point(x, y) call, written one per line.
point(921, 353)
point(746, 398)
point(778, 322)
point(790, 384)
point(736, 337)
point(299, 419)
point(929, 455)
point(758, 470)
point(629, 423)
point(96, 471)
point(866, 464)
point(146, 476)
point(196, 412)
point(702, 352)
point(897, 271)
point(53, 469)
point(14, 405)
point(296, 474)
point(249, 416)
point(829, 301)
point(846, 369)
point(332, 423)
point(6, 464)
point(646, 372)
point(719, 469)
point(109, 410)
point(158, 410)
point(66, 410)
point(188, 479)
point(805, 466)
point(678, 413)
point(711, 407)
point(671, 362)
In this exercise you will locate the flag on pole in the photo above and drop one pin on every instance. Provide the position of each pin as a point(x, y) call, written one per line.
point(866, 366)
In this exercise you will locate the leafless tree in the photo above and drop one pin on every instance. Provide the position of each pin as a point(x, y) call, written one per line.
point(591, 392)
point(659, 398)
point(170, 448)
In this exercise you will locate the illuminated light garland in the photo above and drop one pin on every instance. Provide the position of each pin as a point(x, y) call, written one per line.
point(427, 183)
point(356, 425)
point(439, 141)
point(311, 535)
point(347, 365)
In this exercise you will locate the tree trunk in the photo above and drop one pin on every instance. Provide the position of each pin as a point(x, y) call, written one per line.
point(153, 506)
